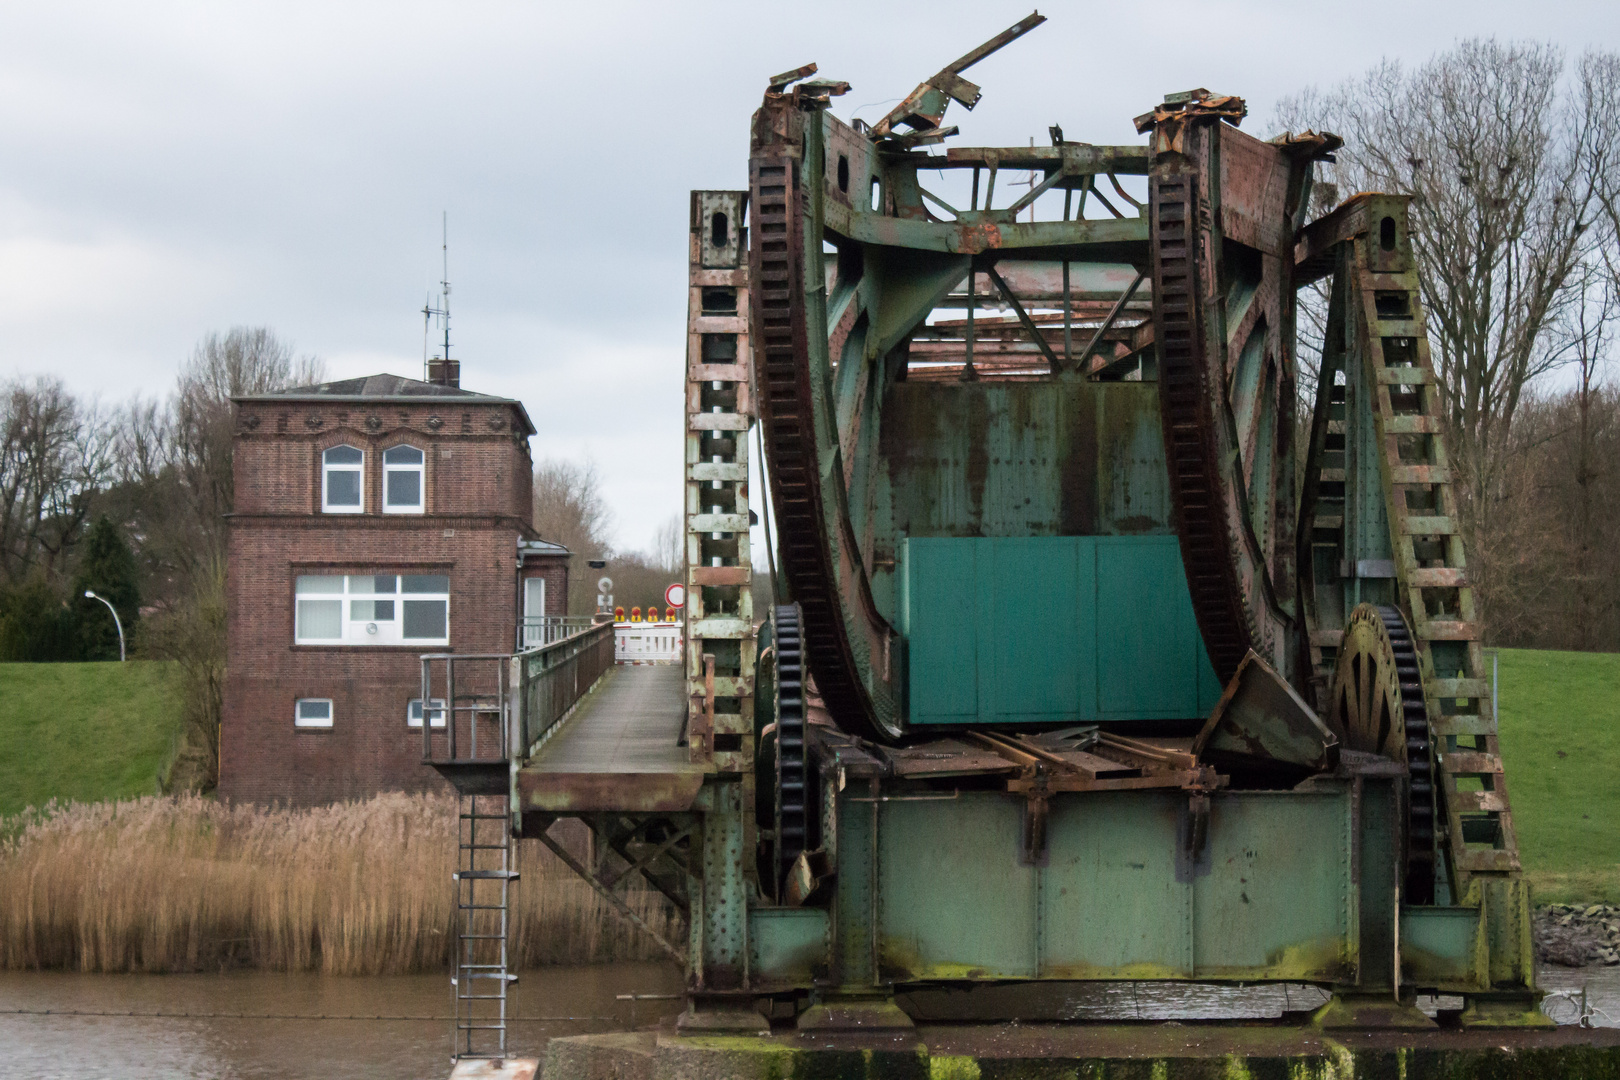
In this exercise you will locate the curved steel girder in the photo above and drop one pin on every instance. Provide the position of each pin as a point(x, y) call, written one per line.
point(822, 359)
point(847, 640)
point(1222, 215)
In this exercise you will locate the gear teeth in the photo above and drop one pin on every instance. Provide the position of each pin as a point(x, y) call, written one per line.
point(794, 822)
point(1413, 743)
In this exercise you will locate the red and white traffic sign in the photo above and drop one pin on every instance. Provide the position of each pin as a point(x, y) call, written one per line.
point(675, 595)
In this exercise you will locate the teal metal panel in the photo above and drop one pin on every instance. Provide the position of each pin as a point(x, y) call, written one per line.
point(942, 651)
point(1209, 687)
point(1274, 891)
point(1110, 902)
point(1032, 640)
point(1443, 947)
point(786, 945)
point(954, 901)
point(1051, 629)
point(1149, 651)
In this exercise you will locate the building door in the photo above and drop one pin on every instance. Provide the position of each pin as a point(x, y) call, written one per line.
point(534, 612)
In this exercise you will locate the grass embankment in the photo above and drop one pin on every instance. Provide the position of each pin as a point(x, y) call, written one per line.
point(185, 883)
point(85, 732)
point(1560, 734)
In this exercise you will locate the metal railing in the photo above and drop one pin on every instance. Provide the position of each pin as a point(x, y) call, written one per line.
point(537, 631)
point(486, 707)
point(467, 707)
point(551, 679)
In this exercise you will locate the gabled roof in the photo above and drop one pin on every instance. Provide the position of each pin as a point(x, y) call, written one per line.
point(381, 389)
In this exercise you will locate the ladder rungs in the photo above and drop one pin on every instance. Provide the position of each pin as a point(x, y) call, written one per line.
point(1471, 763)
point(481, 937)
point(1477, 858)
point(1437, 577)
point(1411, 425)
point(1463, 725)
point(1469, 802)
point(1448, 631)
point(1429, 526)
point(1401, 328)
point(484, 875)
point(1405, 376)
point(1458, 688)
point(1419, 474)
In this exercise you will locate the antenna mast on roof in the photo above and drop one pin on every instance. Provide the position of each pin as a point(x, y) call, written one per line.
point(440, 369)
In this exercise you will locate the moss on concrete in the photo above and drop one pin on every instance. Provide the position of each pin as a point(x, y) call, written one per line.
point(1062, 1052)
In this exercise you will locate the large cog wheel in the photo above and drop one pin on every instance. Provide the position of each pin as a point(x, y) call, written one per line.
point(1377, 706)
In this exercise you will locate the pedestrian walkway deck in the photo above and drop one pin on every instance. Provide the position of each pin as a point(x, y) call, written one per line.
point(622, 749)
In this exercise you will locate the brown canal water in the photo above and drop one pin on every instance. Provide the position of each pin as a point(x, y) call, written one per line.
point(223, 1047)
point(183, 1028)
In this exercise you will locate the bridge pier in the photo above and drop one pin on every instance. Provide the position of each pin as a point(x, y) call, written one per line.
point(1192, 1052)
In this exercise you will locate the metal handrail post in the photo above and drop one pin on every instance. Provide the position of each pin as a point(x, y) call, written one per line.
point(427, 717)
point(450, 704)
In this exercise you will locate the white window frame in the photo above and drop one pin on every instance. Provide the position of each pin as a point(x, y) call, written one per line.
point(300, 721)
point(435, 711)
point(327, 468)
point(358, 590)
point(419, 468)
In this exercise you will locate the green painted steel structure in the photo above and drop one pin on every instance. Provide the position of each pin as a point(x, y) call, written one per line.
point(1048, 630)
point(1039, 522)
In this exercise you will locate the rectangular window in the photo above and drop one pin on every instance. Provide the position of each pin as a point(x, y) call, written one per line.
point(413, 713)
point(402, 480)
point(342, 489)
point(313, 712)
point(372, 609)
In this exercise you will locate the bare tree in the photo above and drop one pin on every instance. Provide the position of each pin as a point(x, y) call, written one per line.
point(181, 457)
point(1500, 167)
point(569, 510)
point(55, 452)
point(1592, 329)
point(668, 547)
point(242, 361)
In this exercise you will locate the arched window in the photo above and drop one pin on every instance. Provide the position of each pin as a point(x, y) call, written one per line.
point(342, 486)
point(402, 480)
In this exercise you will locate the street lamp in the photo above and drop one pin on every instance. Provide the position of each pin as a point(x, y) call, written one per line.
point(116, 621)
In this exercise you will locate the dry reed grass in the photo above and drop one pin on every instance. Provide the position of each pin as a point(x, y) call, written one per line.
point(185, 883)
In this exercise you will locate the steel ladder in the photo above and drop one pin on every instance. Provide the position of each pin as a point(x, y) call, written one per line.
point(485, 871)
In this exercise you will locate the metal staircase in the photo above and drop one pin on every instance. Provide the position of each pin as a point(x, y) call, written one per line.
point(1430, 564)
point(485, 871)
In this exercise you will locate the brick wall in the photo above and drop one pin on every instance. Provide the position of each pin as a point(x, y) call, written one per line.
point(477, 509)
point(555, 570)
point(477, 458)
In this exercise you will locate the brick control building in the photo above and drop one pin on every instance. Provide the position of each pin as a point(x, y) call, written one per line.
point(376, 519)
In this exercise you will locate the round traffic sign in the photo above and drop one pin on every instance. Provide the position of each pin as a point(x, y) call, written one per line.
point(675, 595)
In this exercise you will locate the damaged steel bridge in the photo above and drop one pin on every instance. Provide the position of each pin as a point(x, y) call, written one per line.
point(1069, 677)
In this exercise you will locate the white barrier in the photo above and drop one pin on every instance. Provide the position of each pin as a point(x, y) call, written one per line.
point(647, 642)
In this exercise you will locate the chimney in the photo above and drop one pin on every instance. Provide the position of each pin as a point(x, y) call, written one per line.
point(444, 372)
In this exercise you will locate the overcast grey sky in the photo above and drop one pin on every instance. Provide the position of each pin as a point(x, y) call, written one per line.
point(167, 169)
